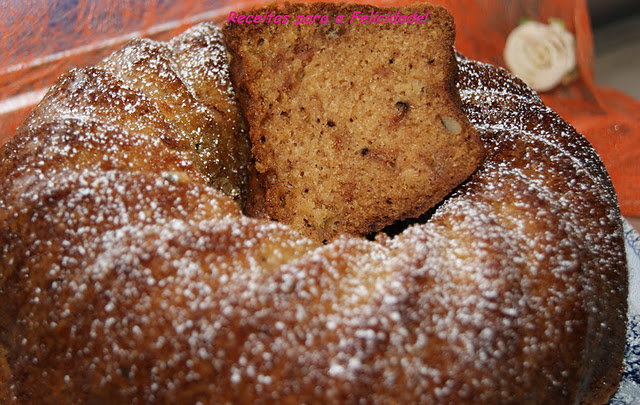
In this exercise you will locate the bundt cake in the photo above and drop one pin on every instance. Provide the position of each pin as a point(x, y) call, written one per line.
point(356, 125)
point(127, 276)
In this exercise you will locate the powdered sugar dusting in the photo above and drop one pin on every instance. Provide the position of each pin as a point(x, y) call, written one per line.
point(125, 276)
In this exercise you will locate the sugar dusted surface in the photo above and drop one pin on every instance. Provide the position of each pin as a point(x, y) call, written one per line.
point(125, 278)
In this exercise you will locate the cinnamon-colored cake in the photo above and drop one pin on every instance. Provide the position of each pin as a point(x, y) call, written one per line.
point(353, 125)
point(126, 278)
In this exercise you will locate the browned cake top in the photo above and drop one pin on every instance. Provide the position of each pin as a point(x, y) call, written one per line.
point(179, 92)
point(353, 125)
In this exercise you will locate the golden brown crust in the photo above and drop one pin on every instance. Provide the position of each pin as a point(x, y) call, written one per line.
point(567, 162)
point(124, 278)
point(353, 125)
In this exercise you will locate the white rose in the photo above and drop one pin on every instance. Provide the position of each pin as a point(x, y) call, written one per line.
point(540, 54)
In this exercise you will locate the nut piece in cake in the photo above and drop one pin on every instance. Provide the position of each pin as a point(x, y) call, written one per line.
point(353, 125)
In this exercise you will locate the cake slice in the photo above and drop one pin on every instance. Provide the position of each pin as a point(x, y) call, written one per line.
point(355, 124)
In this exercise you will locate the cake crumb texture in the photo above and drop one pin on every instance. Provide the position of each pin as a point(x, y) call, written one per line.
point(353, 125)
